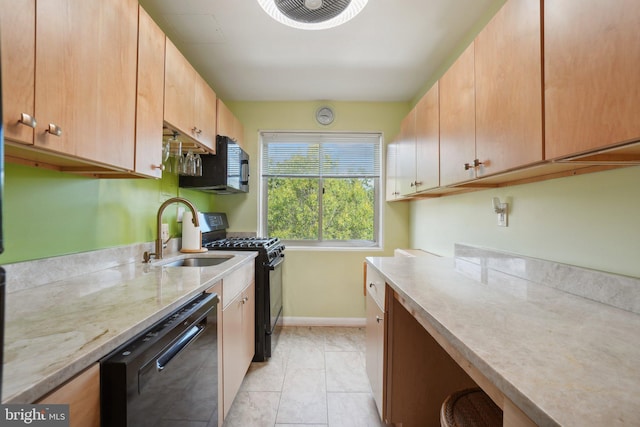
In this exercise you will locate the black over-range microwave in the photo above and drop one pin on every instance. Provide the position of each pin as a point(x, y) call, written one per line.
point(226, 172)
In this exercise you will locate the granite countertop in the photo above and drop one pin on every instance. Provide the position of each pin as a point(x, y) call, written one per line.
point(54, 331)
point(562, 359)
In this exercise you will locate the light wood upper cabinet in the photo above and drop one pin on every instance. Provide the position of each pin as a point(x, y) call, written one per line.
point(427, 131)
point(189, 102)
point(491, 98)
point(508, 88)
point(592, 78)
point(392, 192)
point(406, 160)
point(17, 35)
point(458, 120)
point(179, 89)
point(418, 147)
point(205, 113)
point(238, 330)
point(86, 79)
point(73, 71)
point(150, 97)
point(228, 124)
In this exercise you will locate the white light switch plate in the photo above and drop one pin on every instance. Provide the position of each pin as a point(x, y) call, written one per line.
point(503, 220)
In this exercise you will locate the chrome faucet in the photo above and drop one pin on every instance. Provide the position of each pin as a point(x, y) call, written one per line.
point(158, 253)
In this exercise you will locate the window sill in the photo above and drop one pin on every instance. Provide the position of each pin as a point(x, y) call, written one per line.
point(328, 246)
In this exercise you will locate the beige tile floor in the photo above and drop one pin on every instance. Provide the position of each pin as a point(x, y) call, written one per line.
point(316, 377)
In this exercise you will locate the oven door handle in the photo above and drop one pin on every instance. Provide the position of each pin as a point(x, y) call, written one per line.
point(276, 262)
point(191, 335)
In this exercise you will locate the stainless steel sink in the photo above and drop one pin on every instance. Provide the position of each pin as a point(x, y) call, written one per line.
point(198, 261)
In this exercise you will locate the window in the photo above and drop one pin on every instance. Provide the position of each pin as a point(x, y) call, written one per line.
point(321, 189)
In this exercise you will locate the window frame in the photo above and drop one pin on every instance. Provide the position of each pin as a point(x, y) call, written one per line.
point(377, 243)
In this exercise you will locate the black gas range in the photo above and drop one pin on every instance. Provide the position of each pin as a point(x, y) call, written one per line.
point(268, 276)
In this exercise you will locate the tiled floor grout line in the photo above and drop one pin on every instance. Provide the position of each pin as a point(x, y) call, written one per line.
point(326, 357)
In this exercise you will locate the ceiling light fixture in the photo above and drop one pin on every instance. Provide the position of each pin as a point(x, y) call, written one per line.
point(312, 14)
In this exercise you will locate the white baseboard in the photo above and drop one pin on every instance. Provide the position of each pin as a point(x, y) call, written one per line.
point(355, 322)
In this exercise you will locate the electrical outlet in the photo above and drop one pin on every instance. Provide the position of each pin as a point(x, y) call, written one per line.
point(180, 213)
point(165, 232)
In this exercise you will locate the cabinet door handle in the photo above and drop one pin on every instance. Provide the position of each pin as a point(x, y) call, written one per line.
point(27, 120)
point(476, 163)
point(244, 300)
point(371, 285)
point(161, 167)
point(379, 319)
point(54, 129)
point(418, 183)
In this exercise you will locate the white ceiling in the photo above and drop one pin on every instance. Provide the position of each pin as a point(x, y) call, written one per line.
point(387, 53)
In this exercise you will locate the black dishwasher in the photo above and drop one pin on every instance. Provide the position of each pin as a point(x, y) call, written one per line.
point(167, 375)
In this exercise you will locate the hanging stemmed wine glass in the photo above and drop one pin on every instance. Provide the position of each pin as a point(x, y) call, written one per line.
point(198, 165)
point(189, 164)
point(166, 152)
point(179, 159)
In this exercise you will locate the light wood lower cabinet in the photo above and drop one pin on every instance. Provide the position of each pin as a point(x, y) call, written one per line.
point(376, 332)
point(82, 394)
point(374, 352)
point(412, 368)
point(238, 331)
point(410, 374)
point(420, 372)
point(217, 289)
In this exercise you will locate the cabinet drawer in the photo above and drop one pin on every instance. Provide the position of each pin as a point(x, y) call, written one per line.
point(376, 286)
point(235, 282)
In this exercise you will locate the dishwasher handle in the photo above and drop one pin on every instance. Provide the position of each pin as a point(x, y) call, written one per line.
point(186, 339)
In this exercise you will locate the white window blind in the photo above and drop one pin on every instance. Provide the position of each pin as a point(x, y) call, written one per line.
point(320, 155)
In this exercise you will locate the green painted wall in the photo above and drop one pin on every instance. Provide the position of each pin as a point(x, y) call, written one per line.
point(318, 283)
point(587, 220)
point(48, 213)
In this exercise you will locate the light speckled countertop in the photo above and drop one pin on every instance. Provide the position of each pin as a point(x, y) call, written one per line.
point(56, 330)
point(563, 359)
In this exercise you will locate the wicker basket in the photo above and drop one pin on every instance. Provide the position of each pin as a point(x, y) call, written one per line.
point(470, 408)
